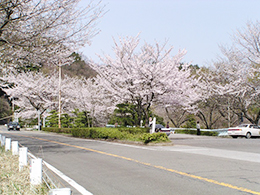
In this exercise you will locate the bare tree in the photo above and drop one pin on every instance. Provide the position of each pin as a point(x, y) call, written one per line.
point(33, 32)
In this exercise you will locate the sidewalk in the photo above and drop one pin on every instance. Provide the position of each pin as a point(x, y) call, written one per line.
point(187, 136)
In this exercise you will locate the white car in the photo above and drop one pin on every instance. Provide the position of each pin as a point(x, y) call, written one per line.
point(244, 130)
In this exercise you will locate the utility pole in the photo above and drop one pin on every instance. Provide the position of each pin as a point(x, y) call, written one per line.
point(228, 113)
point(59, 94)
point(13, 118)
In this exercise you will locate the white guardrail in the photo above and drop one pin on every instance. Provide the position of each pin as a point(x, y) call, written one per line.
point(221, 132)
point(39, 170)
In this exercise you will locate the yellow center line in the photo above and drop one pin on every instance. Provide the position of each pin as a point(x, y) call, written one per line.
point(154, 166)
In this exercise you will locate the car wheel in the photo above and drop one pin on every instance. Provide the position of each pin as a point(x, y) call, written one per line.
point(234, 137)
point(248, 135)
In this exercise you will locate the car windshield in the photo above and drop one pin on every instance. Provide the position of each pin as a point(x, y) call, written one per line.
point(13, 123)
point(242, 125)
point(254, 126)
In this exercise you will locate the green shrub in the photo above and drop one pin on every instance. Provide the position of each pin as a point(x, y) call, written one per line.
point(210, 133)
point(131, 134)
point(57, 130)
point(135, 130)
point(81, 132)
point(155, 137)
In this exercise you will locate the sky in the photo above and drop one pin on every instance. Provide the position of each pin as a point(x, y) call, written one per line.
point(198, 26)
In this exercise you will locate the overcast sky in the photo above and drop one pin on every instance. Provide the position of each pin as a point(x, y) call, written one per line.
point(199, 26)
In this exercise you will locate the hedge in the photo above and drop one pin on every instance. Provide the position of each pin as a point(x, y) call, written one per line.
point(131, 134)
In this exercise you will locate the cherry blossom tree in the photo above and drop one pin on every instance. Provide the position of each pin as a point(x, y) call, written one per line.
point(236, 74)
point(35, 32)
point(146, 76)
point(236, 82)
point(93, 96)
point(33, 92)
point(37, 92)
point(243, 70)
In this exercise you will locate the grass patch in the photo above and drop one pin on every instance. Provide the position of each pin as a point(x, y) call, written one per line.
point(14, 182)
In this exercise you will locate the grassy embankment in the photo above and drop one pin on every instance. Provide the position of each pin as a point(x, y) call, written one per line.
point(13, 181)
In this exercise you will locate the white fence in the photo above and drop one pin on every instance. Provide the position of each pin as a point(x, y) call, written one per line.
point(38, 170)
point(221, 132)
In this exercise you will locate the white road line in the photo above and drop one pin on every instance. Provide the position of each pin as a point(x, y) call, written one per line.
point(230, 154)
point(75, 185)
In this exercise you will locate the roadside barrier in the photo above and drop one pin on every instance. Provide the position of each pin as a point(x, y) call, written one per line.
point(221, 132)
point(7, 144)
point(15, 148)
point(23, 158)
point(2, 140)
point(38, 170)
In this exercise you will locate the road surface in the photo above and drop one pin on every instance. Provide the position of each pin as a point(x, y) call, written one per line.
point(192, 165)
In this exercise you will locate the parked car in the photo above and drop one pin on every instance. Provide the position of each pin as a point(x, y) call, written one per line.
point(244, 130)
point(13, 126)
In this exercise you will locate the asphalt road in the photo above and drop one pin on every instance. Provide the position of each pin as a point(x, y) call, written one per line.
point(192, 165)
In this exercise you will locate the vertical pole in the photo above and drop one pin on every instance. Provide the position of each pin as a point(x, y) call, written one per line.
point(153, 126)
point(15, 147)
point(43, 121)
point(228, 114)
point(36, 171)
point(60, 191)
point(7, 144)
point(2, 140)
point(39, 119)
point(12, 107)
point(12, 104)
point(59, 95)
point(88, 115)
point(23, 157)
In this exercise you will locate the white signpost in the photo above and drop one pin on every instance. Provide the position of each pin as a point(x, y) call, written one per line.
point(153, 124)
